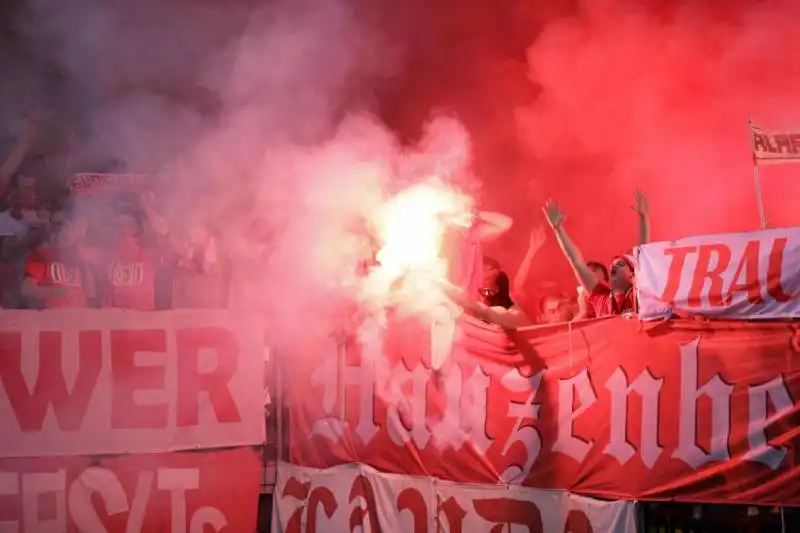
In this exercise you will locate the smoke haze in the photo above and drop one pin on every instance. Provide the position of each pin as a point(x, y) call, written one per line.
point(306, 113)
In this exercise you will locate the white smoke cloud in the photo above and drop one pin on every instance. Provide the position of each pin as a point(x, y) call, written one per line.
point(286, 143)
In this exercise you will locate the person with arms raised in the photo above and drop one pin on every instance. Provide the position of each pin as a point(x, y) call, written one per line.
point(488, 294)
point(619, 296)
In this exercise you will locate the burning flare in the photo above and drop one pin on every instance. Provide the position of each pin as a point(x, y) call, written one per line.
point(411, 228)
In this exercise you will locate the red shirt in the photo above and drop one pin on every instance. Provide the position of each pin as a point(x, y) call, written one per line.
point(49, 266)
point(131, 281)
point(606, 303)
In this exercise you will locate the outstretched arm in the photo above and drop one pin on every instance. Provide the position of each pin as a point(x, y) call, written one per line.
point(518, 286)
point(492, 225)
point(642, 208)
point(505, 318)
point(17, 154)
point(555, 217)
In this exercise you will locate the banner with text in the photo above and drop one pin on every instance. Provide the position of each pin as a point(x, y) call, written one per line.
point(689, 411)
point(775, 147)
point(83, 382)
point(741, 275)
point(92, 184)
point(182, 492)
point(358, 498)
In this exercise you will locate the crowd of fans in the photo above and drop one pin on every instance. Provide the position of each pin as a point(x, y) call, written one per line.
point(58, 252)
point(602, 291)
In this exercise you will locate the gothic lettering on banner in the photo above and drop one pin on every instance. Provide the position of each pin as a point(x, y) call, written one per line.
point(615, 412)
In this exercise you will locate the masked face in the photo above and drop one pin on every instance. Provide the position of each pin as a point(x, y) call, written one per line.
point(489, 288)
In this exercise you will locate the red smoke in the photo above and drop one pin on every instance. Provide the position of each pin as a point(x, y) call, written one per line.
point(624, 94)
point(581, 101)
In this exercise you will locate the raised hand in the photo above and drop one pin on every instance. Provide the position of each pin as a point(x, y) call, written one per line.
point(553, 213)
point(538, 236)
point(642, 205)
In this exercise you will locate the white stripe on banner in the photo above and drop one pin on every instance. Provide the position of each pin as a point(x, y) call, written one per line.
point(340, 498)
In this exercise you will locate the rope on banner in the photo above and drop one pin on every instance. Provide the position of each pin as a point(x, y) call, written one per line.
point(569, 333)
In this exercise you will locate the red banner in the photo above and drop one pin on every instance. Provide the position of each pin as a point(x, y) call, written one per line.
point(690, 411)
point(177, 492)
point(354, 497)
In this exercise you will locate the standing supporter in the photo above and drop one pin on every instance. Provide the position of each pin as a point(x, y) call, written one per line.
point(552, 308)
point(130, 265)
point(494, 304)
point(16, 241)
point(22, 226)
point(17, 153)
point(463, 248)
point(477, 283)
point(21, 199)
point(619, 296)
point(59, 272)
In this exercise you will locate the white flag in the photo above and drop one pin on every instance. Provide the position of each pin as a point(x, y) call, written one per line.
point(774, 147)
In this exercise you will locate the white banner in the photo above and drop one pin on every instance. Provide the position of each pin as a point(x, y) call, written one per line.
point(350, 496)
point(85, 382)
point(740, 275)
point(775, 147)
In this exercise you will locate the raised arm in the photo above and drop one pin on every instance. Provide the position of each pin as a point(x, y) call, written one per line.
point(555, 217)
point(505, 318)
point(17, 154)
point(642, 208)
point(492, 225)
point(536, 241)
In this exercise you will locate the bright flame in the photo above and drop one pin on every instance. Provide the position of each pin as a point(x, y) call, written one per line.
point(411, 229)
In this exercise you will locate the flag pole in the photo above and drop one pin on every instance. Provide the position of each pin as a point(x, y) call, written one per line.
point(757, 180)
